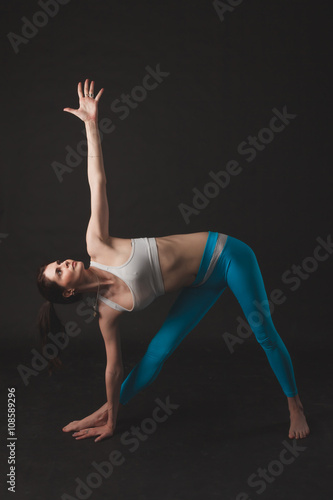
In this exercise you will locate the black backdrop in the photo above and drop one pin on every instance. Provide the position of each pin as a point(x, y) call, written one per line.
point(222, 80)
point(225, 73)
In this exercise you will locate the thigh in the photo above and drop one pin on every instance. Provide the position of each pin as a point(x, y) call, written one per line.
point(245, 280)
point(188, 309)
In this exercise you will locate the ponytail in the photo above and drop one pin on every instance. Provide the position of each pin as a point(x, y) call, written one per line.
point(47, 322)
point(47, 318)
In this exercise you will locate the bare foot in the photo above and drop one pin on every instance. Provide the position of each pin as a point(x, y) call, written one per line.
point(298, 424)
point(90, 421)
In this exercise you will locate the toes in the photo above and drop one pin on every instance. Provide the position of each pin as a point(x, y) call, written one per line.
point(298, 433)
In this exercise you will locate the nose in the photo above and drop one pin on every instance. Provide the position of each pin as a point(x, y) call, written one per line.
point(66, 262)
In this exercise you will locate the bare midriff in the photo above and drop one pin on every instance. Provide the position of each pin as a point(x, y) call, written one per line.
point(179, 256)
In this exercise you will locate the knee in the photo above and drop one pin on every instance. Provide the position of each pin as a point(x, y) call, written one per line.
point(157, 354)
point(268, 344)
point(267, 339)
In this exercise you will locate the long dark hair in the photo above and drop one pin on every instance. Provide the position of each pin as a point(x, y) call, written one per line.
point(47, 318)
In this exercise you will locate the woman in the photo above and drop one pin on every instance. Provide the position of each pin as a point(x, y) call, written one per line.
point(128, 274)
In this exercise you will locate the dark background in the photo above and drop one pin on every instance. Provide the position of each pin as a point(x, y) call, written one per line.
point(225, 78)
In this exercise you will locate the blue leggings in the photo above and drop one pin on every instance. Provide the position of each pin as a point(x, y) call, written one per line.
point(236, 267)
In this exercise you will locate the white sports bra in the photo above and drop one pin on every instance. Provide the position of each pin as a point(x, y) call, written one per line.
point(141, 273)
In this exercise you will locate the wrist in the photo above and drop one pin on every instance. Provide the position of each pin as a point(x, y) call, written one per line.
point(111, 420)
point(112, 409)
point(91, 122)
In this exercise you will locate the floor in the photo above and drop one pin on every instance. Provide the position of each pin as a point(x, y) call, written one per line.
point(213, 425)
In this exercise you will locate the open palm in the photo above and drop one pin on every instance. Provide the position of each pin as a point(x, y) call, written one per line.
point(88, 106)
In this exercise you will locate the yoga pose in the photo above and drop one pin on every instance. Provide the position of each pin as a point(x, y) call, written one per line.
point(128, 274)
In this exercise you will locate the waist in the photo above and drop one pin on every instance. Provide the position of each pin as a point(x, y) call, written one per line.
point(214, 246)
point(155, 266)
point(150, 284)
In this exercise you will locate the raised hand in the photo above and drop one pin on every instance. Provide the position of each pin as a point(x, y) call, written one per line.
point(88, 104)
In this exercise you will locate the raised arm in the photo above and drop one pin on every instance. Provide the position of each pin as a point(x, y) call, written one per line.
point(98, 227)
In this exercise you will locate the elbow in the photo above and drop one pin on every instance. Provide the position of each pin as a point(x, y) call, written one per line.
point(97, 180)
point(115, 371)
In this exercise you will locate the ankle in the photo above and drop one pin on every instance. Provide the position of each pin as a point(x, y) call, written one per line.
point(296, 411)
point(295, 404)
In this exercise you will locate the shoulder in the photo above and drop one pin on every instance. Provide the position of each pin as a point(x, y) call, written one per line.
point(107, 316)
point(100, 250)
point(97, 247)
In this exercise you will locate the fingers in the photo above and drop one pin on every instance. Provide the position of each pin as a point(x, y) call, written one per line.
point(89, 433)
point(84, 434)
point(70, 427)
point(75, 425)
point(97, 98)
point(88, 89)
point(79, 90)
point(102, 436)
point(72, 111)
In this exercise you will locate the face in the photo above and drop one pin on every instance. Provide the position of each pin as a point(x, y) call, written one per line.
point(65, 273)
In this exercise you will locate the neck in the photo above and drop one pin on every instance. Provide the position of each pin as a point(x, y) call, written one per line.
point(91, 279)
